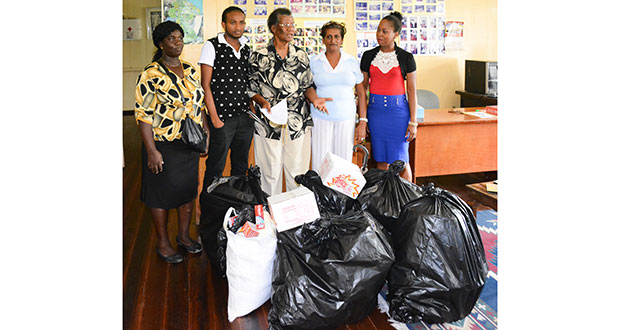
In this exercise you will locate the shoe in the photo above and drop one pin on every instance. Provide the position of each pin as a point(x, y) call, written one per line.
point(172, 259)
point(194, 248)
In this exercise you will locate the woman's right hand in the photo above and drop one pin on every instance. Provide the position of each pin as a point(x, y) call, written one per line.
point(155, 161)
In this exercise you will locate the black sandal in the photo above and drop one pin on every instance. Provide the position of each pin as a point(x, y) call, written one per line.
point(194, 248)
point(172, 259)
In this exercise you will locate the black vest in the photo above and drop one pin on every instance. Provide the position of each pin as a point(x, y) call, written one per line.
point(229, 82)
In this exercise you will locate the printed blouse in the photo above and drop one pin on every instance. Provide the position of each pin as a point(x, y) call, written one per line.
point(159, 104)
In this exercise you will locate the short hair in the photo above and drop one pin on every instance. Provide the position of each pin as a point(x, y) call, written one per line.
point(396, 18)
point(161, 31)
point(333, 25)
point(274, 17)
point(230, 9)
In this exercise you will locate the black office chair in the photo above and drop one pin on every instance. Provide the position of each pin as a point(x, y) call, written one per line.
point(427, 99)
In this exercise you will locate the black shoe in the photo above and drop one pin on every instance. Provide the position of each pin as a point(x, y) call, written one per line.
point(194, 248)
point(172, 259)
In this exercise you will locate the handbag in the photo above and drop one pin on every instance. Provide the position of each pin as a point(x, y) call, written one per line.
point(191, 133)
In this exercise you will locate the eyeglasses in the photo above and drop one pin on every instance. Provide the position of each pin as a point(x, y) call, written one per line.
point(287, 25)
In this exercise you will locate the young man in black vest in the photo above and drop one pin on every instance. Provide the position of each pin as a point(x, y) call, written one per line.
point(224, 69)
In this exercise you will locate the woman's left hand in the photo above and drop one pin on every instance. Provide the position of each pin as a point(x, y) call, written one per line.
point(319, 103)
point(412, 131)
point(360, 133)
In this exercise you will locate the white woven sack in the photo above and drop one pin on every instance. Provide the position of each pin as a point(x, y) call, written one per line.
point(249, 265)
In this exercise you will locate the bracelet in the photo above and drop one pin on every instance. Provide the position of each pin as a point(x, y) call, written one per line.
point(364, 119)
point(412, 123)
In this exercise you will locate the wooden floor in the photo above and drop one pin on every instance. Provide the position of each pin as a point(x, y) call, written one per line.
point(187, 296)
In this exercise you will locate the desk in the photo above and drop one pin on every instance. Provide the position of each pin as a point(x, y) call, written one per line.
point(469, 99)
point(452, 143)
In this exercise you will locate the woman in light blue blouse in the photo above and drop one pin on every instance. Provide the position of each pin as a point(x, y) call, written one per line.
point(336, 75)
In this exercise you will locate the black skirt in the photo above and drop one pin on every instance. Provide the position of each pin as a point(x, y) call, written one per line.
point(177, 184)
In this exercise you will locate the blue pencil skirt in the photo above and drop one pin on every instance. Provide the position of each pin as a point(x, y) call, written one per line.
point(388, 117)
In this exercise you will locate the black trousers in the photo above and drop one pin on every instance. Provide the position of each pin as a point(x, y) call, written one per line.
point(236, 136)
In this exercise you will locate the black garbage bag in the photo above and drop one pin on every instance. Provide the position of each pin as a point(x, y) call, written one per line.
point(329, 272)
point(440, 266)
point(215, 200)
point(328, 200)
point(385, 193)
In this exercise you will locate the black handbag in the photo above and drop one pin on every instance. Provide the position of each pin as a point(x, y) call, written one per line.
point(191, 133)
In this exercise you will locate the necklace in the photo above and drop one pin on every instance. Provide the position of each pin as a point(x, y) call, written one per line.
point(170, 65)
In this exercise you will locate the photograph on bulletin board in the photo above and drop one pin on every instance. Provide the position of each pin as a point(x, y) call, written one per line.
point(317, 8)
point(256, 32)
point(308, 37)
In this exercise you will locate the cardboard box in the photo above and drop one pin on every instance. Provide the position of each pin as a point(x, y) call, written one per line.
point(293, 208)
point(341, 175)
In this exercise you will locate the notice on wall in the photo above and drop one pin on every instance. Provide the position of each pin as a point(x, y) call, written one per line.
point(454, 35)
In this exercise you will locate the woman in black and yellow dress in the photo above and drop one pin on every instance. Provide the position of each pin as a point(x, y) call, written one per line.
point(169, 167)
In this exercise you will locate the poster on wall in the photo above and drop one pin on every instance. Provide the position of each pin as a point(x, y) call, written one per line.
point(317, 8)
point(454, 35)
point(188, 14)
point(256, 32)
point(153, 18)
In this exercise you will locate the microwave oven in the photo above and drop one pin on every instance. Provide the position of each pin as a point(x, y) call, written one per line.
point(481, 77)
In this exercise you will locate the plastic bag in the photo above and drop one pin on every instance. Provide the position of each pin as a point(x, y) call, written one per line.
point(327, 199)
point(329, 272)
point(193, 135)
point(440, 266)
point(215, 200)
point(249, 264)
point(386, 192)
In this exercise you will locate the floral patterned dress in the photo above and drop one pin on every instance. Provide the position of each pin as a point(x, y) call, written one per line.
point(276, 79)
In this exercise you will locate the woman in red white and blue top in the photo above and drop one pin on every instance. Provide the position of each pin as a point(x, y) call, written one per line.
point(389, 73)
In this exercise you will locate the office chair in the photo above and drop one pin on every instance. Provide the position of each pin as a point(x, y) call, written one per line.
point(427, 99)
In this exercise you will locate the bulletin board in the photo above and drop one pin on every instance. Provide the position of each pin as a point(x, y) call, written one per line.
point(423, 29)
point(308, 21)
point(423, 32)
